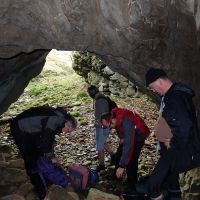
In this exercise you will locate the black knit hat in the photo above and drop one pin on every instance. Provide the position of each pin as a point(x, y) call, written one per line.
point(92, 91)
point(153, 74)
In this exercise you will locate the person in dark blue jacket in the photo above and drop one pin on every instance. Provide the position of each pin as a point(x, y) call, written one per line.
point(34, 131)
point(181, 151)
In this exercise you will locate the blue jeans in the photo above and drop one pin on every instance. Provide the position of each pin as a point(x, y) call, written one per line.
point(101, 137)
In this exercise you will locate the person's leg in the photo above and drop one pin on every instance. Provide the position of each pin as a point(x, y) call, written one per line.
point(174, 191)
point(159, 175)
point(35, 178)
point(30, 156)
point(132, 167)
point(108, 146)
point(100, 140)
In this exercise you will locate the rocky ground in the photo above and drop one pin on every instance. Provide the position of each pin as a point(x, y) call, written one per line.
point(79, 146)
point(58, 85)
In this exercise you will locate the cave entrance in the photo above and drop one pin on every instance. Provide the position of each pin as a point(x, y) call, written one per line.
point(58, 84)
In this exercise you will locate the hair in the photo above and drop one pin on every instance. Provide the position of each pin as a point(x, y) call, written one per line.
point(71, 121)
point(92, 91)
point(164, 77)
point(68, 118)
point(106, 116)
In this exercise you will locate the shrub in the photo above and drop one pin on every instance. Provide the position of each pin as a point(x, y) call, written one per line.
point(84, 62)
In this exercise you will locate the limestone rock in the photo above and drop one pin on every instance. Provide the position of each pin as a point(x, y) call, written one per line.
point(12, 175)
point(108, 71)
point(19, 163)
point(24, 189)
point(95, 194)
point(7, 189)
point(12, 197)
point(129, 36)
point(59, 193)
point(5, 149)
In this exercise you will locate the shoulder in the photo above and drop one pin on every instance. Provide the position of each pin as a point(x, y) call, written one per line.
point(101, 99)
point(175, 97)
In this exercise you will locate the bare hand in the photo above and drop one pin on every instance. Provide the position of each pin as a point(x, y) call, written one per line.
point(55, 160)
point(121, 141)
point(119, 172)
point(167, 143)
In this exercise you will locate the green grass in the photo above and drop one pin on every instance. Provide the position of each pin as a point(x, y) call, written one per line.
point(51, 88)
point(75, 113)
point(83, 121)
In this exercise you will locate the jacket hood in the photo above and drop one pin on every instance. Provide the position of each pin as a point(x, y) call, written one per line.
point(183, 88)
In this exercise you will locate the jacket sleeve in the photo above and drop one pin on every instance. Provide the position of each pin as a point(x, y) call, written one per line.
point(128, 145)
point(50, 128)
point(178, 118)
point(101, 106)
point(47, 142)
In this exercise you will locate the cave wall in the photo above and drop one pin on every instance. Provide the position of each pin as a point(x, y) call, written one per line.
point(129, 35)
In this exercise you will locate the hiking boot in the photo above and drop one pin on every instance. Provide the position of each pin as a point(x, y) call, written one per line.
point(134, 195)
point(100, 167)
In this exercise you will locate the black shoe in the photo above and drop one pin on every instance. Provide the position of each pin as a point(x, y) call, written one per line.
point(134, 195)
point(100, 168)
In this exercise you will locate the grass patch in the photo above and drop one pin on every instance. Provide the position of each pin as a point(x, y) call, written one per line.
point(75, 113)
point(83, 121)
point(82, 95)
point(50, 88)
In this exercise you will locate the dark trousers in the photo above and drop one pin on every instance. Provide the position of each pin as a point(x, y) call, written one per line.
point(28, 149)
point(164, 174)
point(132, 167)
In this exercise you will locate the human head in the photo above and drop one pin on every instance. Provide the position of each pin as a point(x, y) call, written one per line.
point(157, 81)
point(92, 91)
point(70, 124)
point(109, 120)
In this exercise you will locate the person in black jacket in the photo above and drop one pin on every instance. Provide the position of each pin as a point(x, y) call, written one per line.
point(34, 131)
point(181, 151)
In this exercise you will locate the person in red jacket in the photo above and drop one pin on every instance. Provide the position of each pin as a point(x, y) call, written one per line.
point(132, 131)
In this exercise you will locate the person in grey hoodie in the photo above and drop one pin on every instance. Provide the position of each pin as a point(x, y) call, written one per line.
point(101, 105)
point(181, 151)
point(34, 132)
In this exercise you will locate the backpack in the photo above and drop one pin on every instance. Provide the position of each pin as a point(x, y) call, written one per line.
point(51, 172)
point(81, 176)
point(36, 111)
point(111, 103)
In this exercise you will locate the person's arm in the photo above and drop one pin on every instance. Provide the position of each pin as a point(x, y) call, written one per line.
point(178, 118)
point(50, 128)
point(128, 144)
